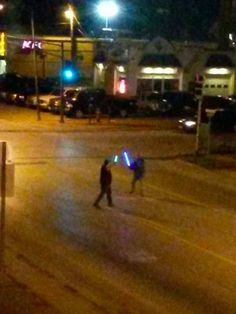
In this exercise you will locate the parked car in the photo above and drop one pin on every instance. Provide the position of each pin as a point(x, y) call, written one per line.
point(211, 104)
point(173, 103)
point(89, 100)
point(86, 102)
point(44, 100)
point(116, 106)
point(223, 120)
point(154, 104)
point(181, 102)
point(69, 95)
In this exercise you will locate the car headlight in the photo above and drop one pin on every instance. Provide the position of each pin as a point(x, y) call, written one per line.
point(69, 106)
point(190, 124)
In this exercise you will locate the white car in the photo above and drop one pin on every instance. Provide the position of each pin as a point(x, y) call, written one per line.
point(43, 100)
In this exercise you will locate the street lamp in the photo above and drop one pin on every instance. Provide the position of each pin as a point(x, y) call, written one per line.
point(69, 14)
point(107, 9)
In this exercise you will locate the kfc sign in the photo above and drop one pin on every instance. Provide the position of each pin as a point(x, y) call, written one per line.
point(30, 45)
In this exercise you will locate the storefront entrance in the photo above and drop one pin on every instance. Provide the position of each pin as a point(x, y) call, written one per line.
point(146, 86)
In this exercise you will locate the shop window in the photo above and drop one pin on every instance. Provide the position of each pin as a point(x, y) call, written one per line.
point(144, 86)
point(157, 85)
point(171, 85)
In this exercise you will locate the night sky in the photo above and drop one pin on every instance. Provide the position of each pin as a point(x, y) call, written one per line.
point(173, 19)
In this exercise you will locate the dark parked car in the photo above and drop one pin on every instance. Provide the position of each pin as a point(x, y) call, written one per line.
point(154, 104)
point(86, 102)
point(223, 120)
point(116, 106)
point(90, 100)
point(175, 103)
point(69, 95)
point(211, 104)
point(181, 102)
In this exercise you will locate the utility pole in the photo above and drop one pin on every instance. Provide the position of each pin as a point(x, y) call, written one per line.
point(71, 16)
point(62, 85)
point(3, 204)
point(35, 69)
point(199, 113)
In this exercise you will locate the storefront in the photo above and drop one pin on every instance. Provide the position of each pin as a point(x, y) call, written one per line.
point(160, 73)
point(219, 75)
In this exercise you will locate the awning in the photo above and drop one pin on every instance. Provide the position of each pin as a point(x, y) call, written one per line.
point(219, 61)
point(162, 60)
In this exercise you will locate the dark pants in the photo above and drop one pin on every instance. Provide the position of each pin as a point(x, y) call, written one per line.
point(133, 184)
point(105, 189)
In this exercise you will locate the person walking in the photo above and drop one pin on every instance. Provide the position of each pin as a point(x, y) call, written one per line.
point(105, 183)
point(138, 168)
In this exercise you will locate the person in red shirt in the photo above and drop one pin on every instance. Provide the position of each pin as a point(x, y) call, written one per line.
point(105, 183)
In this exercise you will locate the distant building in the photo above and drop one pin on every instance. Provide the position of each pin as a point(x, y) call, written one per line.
point(163, 66)
point(49, 50)
point(126, 66)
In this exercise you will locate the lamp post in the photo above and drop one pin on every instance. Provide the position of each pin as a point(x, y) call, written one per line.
point(35, 70)
point(107, 9)
point(70, 15)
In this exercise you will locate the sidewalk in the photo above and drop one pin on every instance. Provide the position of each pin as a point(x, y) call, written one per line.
point(16, 298)
point(14, 119)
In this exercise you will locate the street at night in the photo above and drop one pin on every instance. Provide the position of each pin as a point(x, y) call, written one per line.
point(171, 250)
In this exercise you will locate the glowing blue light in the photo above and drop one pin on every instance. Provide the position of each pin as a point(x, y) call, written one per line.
point(68, 74)
point(127, 159)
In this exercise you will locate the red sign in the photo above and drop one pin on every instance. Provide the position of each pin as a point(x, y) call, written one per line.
point(122, 86)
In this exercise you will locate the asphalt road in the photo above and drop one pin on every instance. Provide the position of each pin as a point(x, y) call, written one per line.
point(170, 251)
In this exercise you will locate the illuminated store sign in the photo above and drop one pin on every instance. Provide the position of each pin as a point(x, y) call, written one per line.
point(30, 45)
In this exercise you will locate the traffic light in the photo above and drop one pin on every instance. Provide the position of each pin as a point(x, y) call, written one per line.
point(70, 73)
point(198, 84)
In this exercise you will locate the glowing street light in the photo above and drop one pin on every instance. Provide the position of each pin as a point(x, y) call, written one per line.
point(1, 6)
point(69, 14)
point(107, 9)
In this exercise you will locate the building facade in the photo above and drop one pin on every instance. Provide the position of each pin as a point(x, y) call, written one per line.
point(130, 67)
point(50, 51)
